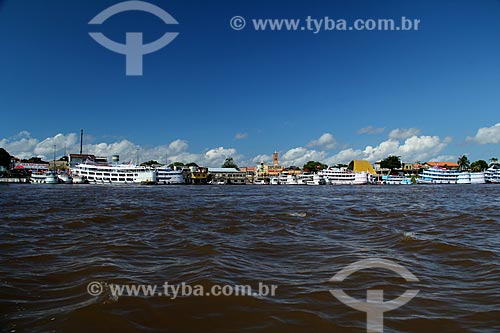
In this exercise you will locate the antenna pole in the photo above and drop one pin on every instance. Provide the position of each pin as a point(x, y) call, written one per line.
point(81, 141)
point(54, 157)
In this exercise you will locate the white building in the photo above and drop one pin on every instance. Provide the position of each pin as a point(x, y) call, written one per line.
point(227, 176)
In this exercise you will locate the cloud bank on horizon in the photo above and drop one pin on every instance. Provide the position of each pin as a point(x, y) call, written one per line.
point(404, 142)
point(487, 135)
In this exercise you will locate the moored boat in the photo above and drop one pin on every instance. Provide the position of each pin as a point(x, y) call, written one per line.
point(47, 177)
point(167, 176)
point(316, 180)
point(303, 178)
point(344, 176)
point(285, 178)
point(438, 175)
point(114, 174)
point(492, 174)
point(396, 180)
point(65, 178)
point(79, 179)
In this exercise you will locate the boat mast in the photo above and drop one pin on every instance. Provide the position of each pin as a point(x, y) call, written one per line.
point(54, 165)
point(81, 141)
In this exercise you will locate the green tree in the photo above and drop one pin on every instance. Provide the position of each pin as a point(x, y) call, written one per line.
point(150, 163)
point(493, 161)
point(229, 163)
point(478, 166)
point(463, 163)
point(314, 166)
point(4, 158)
point(391, 162)
point(192, 164)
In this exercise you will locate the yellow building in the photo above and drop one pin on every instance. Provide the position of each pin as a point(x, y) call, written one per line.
point(360, 166)
point(198, 175)
point(269, 170)
point(58, 165)
point(264, 170)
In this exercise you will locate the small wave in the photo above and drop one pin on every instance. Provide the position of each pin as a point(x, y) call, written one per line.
point(409, 236)
point(298, 214)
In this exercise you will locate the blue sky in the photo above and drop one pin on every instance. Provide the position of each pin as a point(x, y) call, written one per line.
point(215, 92)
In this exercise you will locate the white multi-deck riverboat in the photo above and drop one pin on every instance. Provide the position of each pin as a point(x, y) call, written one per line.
point(168, 176)
point(47, 177)
point(344, 176)
point(316, 180)
point(287, 179)
point(473, 178)
point(114, 173)
point(274, 181)
point(303, 178)
point(492, 174)
point(437, 175)
point(308, 178)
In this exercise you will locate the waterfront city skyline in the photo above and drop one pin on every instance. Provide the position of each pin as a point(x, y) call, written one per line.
point(215, 92)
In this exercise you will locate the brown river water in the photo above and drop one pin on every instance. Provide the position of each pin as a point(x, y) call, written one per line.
point(57, 240)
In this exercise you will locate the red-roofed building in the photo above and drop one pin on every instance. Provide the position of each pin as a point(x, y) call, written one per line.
point(445, 165)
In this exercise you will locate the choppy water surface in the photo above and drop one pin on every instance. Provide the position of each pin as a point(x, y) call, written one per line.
point(55, 240)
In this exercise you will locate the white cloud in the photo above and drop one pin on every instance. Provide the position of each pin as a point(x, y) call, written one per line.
point(262, 158)
point(24, 146)
point(22, 134)
point(240, 136)
point(487, 135)
point(371, 130)
point(412, 148)
point(403, 133)
point(177, 146)
point(216, 156)
point(300, 156)
point(124, 148)
point(326, 140)
point(444, 158)
point(422, 148)
point(345, 156)
point(415, 148)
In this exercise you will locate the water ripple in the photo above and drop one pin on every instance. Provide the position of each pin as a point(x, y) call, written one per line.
point(61, 238)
